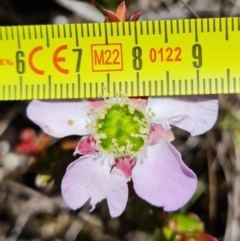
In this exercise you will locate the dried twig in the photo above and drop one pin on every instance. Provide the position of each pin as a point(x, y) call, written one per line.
point(186, 5)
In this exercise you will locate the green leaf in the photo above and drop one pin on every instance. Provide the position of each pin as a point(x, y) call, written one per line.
point(185, 224)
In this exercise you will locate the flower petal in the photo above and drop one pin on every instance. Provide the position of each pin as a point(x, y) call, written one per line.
point(161, 178)
point(75, 181)
point(90, 177)
point(193, 114)
point(59, 118)
point(117, 194)
point(94, 104)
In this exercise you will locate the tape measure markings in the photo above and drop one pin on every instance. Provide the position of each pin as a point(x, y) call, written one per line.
point(49, 87)
point(100, 30)
point(53, 35)
point(111, 29)
point(232, 26)
point(170, 85)
point(18, 34)
point(79, 84)
point(12, 34)
point(47, 37)
point(106, 34)
point(210, 86)
point(189, 26)
point(93, 29)
point(76, 35)
point(60, 34)
point(114, 87)
point(214, 25)
point(64, 32)
point(116, 29)
point(35, 32)
point(196, 31)
point(55, 91)
point(226, 27)
point(152, 27)
point(135, 35)
point(41, 31)
point(26, 91)
point(23, 33)
point(177, 26)
point(18, 39)
point(166, 32)
point(147, 28)
point(208, 27)
point(67, 90)
point(28, 31)
point(6, 33)
point(21, 86)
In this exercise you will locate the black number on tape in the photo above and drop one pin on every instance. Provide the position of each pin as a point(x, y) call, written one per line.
point(197, 55)
point(79, 58)
point(20, 63)
point(137, 60)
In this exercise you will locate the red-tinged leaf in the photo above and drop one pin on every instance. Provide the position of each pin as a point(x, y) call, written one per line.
point(27, 134)
point(122, 12)
point(135, 17)
point(27, 147)
point(112, 17)
point(205, 237)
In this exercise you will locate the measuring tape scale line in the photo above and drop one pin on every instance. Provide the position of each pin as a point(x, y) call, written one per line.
point(61, 29)
point(137, 88)
point(172, 57)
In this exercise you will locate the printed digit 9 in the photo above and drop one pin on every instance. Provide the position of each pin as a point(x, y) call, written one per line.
point(197, 55)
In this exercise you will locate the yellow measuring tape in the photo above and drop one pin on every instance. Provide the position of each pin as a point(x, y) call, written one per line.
point(152, 58)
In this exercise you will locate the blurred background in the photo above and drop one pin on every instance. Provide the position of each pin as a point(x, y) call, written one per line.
point(32, 164)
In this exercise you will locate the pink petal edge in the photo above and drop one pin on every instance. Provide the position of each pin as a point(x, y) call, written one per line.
point(59, 118)
point(117, 194)
point(161, 178)
point(193, 114)
point(90, 178)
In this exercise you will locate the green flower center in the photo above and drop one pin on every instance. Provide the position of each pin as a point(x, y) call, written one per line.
point(121, 129)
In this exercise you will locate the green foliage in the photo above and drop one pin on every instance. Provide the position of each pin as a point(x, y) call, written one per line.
point(181, 227)
point(185, 225)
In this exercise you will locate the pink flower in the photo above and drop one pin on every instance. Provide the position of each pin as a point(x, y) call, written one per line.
point(126, 139)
